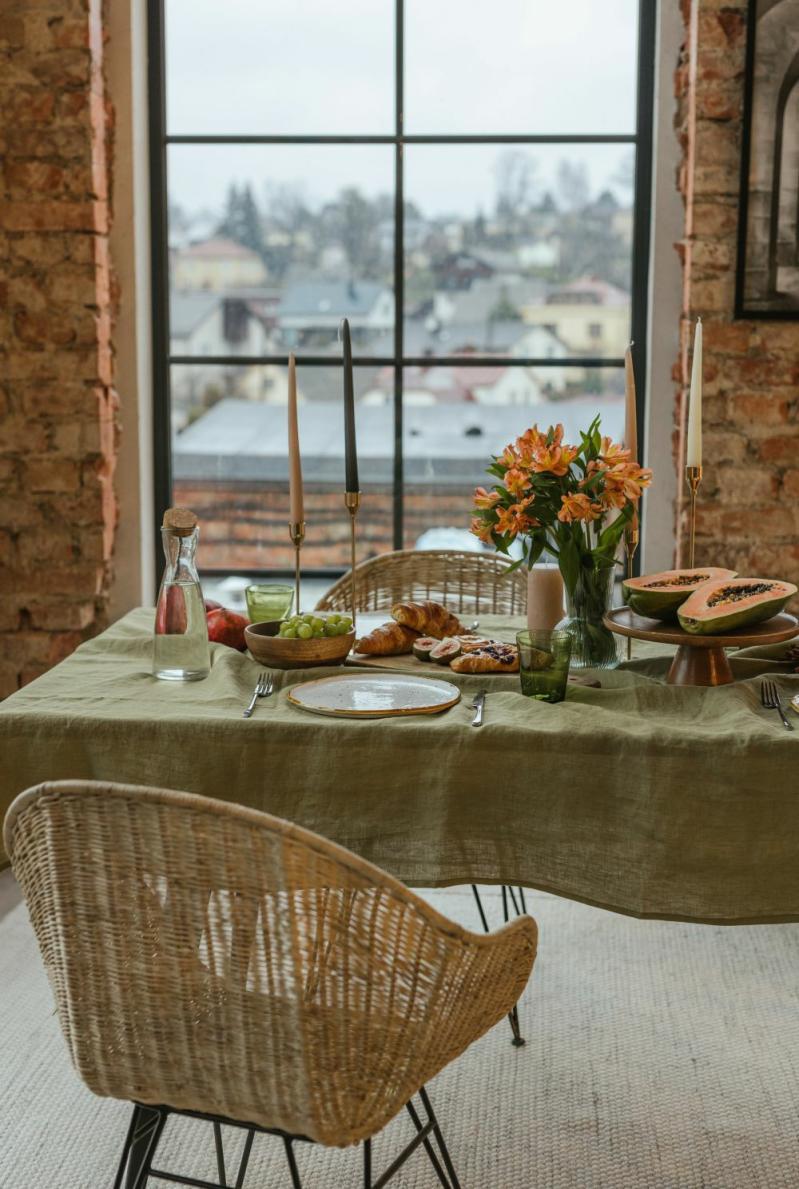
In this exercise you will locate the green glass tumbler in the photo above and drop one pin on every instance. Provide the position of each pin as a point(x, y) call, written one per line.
point(268, 601)
point(544, 664)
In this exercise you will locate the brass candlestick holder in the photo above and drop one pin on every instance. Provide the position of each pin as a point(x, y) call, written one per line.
point(631, 538)
point(693, 477)
point(297, 534)
point(352, 501)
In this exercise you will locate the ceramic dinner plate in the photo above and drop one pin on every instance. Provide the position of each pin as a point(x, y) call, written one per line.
point(372, 696)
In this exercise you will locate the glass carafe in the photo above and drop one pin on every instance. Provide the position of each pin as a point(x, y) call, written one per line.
point(180, 643)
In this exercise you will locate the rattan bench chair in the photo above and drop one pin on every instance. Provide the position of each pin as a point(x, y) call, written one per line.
point(467, 583)
point(214, 961)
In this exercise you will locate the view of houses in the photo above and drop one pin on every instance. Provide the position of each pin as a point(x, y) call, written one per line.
point(544, 280)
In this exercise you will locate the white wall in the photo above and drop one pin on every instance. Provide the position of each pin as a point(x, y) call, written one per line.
point(665, 300)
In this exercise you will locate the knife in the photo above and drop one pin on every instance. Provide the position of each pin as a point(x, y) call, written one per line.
point(479, 705)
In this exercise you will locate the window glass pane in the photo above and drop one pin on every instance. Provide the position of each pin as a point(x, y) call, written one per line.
point(270, 246)
point(457, 417)
point(521, 66)
point(518, 251)
point(304, 67)
point(230, 465)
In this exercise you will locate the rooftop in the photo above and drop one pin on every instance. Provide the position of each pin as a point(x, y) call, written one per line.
point(245, 441)
point(341, 298)
point(218, 248)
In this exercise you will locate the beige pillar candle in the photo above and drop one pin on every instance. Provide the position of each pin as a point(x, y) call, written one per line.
point(544, 597)
point(295, 466)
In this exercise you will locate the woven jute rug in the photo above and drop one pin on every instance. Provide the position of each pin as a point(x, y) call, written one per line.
point(658, 1055)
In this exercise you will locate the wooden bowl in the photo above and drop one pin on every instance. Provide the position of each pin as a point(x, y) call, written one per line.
point(270, 649)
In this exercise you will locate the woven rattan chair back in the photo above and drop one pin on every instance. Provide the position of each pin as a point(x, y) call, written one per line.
point(213, 958)
point(467, 583)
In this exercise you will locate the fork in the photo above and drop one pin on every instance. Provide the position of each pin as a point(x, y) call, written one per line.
point(264, 686)
point(771, 701)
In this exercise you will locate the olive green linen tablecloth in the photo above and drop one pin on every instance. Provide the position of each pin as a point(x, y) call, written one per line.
point(639, 797)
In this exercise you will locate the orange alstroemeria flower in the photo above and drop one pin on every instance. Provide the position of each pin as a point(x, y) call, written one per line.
point(514, 520)
point(531, 440)
point(612, 497)
point(484, 500)
point(516, 481)
point(612, 452)
point(578, 507)
point(554, 460)
point(508, 457)
point(629, 478)
point(481, 529)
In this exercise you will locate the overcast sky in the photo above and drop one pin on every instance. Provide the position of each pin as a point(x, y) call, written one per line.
point(318, 67)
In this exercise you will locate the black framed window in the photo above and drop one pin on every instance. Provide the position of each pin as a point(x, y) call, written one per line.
point(469, 186)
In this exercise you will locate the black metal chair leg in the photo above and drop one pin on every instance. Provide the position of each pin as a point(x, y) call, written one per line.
point(442, 1147)
point(126, 1149)
point(146, 1120)
point(220, 1155)
point(367, 1164)
point(155, 1126)
point(295, 1172)
point(517, 1039)
point(428, 1147)
point(480, 908)
point(245, 1159)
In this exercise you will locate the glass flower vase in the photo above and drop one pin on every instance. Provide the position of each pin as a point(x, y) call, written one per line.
point(593, 645)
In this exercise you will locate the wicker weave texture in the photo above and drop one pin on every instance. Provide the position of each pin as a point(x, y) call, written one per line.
point(467, 583)
point(213, 958)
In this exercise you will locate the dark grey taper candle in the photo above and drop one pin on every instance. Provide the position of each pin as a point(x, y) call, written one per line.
point(350, 448)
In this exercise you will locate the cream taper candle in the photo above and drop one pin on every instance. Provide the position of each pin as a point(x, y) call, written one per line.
point(693, 439)
point(630, 410)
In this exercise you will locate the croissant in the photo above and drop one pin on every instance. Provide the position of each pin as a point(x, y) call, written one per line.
point(429, 618)
point(494, 658)
point(390, 639)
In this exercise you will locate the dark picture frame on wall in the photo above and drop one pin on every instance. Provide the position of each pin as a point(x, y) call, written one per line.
point(767, 278)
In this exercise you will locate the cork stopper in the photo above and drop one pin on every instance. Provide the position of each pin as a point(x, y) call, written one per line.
point(181, 522)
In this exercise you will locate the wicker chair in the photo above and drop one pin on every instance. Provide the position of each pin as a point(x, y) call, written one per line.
point(212, 960)
point(468, 583)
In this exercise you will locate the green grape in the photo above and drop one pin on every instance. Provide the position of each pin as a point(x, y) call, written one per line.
point(308, 617)
point(290, 633)
point(333, 617)
point(304, 631)
point(342, 629)
point(347, 620)
point(331, 629)
point(317, 624)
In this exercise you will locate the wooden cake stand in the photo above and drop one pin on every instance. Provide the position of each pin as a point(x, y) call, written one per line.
point(700, 660)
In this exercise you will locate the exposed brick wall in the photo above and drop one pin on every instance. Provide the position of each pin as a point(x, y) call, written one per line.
point(58, 408)
point(748, 515)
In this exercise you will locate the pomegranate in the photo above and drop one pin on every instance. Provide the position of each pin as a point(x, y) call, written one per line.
point(227, 627)
point(171, 613)
point(212, 605)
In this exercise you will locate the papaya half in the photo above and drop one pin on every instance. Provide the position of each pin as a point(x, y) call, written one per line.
point(657, 596)
point(720, 607)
